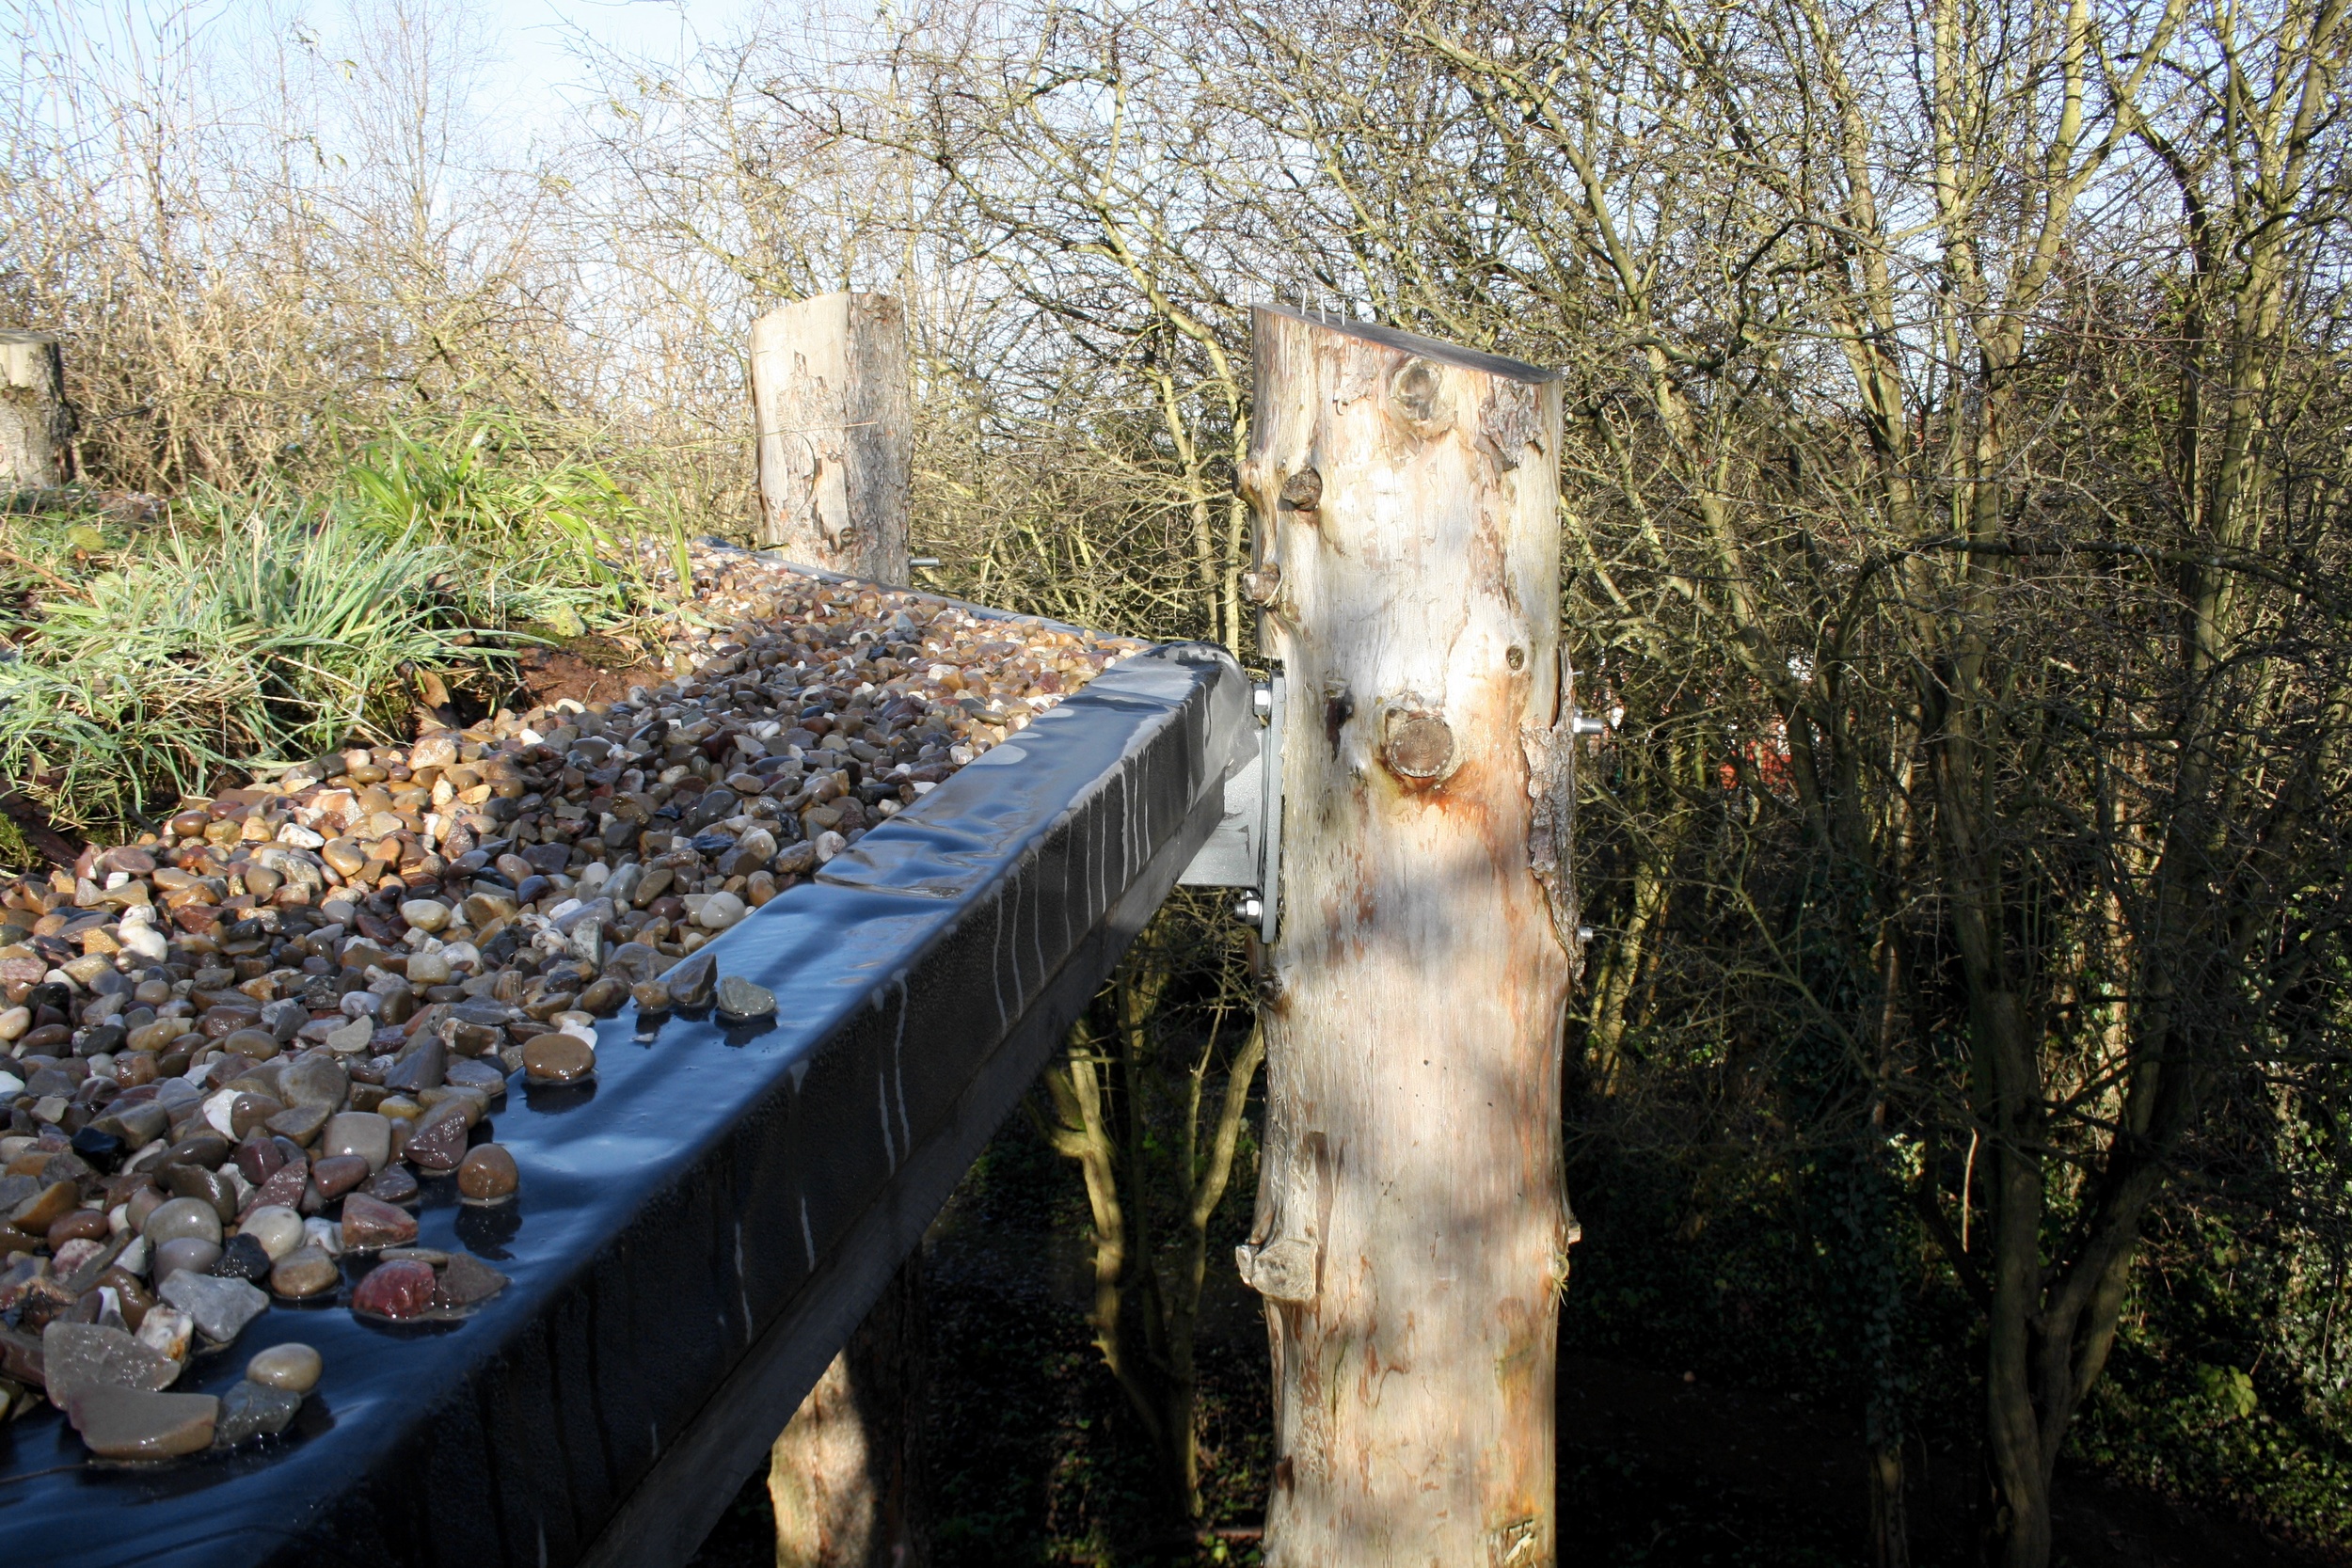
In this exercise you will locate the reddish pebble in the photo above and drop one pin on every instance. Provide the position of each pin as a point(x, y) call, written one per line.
point(370, 1225)
point(337, 1174)
point(397, 1290)
point(283, 1190)
point(439, 1141)
point(83, 1224)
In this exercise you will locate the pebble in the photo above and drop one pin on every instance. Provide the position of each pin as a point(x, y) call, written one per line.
point(558, 1059)
point(692, 982)
point(363, 1133)
point(75, 1357)
point(244, 1257)
point(293, 1367)
point(251, 1410)
point(370, 1225)
point(401, 1289)
point(307, 1271)
point(123, 1423)
point(168, 1331)
point(741, 1002)
point(190, 1254)
point(277, 1228)
point(439, 1141)
point(426, 914)
point(289, 971)
point(221, 1308)
point(487, 1176)
point(467, 1281)
point(394, 1184)
point(338, 1174)
point(182, 1218)
point(315, 1081)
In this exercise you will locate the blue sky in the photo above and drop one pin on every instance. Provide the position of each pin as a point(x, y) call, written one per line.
point(535, 35)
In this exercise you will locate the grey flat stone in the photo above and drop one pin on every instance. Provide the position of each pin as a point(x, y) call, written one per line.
point(221, 1308)
point(253, 1410)
point(79, 1356)
point(743, 1001)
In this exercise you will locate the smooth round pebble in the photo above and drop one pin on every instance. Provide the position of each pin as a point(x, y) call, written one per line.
point(192, 1252)
point(292, 1367)
point(307, 1271)
point(426, 914)
point(260, 1044)
point(276, 1227)
point(182, 1219)
point(363, 1133)
point(487, 1176)
point(558, 1059)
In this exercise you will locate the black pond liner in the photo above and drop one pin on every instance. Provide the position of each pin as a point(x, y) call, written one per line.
point(700, 1230)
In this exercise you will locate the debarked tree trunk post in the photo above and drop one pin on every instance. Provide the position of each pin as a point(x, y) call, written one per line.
point(35, 426)
point(829, 392)
point(846, 1479)
point(1411, 1229)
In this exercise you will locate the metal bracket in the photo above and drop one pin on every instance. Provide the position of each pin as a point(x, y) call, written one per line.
point(1245, 849)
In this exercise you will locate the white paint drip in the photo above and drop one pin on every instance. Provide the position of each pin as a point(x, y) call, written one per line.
point(742, 1284)
point(808, 1237)
point(996, 970)
point(898, 1065)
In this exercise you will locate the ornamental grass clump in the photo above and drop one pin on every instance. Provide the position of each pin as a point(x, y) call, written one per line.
point(240, 636)
point(545, 540)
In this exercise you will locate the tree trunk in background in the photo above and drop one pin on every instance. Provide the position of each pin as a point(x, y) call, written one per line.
point(1411, 1230)
point(829, 392)
point(847, 1476)
point(36, 427)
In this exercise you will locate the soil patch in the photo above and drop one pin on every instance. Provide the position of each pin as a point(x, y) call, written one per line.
point(585, 669)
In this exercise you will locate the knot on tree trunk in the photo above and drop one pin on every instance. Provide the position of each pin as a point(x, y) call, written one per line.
point(1417, 743)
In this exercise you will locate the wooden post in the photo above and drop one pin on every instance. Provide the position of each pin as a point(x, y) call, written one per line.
point(1411, 1234)
point(829, 390)
point(35, 427)
point(846, 1477)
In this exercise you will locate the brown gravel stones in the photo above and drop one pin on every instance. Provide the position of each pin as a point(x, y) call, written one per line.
point(239, 1049)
